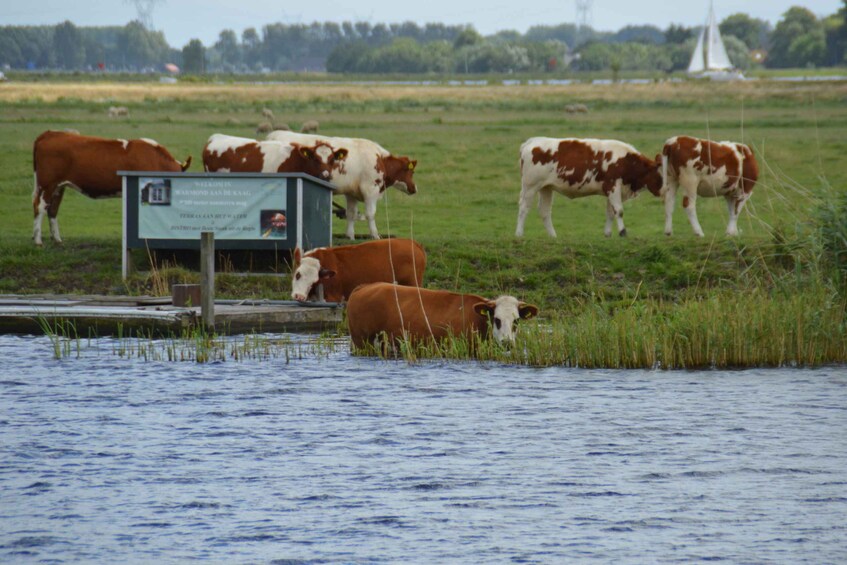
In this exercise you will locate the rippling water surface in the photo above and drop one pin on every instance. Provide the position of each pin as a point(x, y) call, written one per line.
point(347, 459)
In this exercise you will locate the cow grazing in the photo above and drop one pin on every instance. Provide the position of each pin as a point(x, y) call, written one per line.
point(228, 154)
point(363, 176)
point(341, 269)
point(583, 167)
point(89, 165)
point(423, 315)
point(706, 168)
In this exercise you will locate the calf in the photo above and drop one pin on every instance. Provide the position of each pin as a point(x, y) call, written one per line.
point(423, 315)
point(706, 168)
point(583, 167)
point(90, 165)
point(363, 176)
point(341, 269)
point(228, 154)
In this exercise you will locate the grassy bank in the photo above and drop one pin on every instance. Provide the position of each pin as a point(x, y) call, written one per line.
point(466, 141)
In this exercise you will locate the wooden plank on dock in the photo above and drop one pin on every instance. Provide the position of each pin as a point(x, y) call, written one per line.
point(93, 316)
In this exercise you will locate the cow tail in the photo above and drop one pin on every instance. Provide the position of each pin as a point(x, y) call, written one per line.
point(664, 169)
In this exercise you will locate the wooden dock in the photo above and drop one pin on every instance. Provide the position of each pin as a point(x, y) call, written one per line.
point(125, 315)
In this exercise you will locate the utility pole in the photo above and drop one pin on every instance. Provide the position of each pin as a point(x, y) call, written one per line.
point(583, 18)
point(144, 9)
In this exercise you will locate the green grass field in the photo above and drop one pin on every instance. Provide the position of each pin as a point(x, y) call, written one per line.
point(466, 141)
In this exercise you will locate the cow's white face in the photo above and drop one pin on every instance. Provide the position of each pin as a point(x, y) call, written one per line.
point(503, 314)
point(306, 276)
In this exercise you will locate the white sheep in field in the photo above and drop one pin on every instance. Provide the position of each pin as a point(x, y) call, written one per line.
point(268, 114)
point(310, 126)
point(118, 111)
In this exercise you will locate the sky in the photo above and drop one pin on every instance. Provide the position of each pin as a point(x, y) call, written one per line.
point(182, 20)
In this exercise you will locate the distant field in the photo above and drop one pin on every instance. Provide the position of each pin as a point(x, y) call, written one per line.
point(466, 141)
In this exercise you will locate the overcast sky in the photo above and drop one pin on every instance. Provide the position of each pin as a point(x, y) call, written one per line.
point(182, 20)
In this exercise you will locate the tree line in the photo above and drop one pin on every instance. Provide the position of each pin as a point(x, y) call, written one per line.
point(799, 39)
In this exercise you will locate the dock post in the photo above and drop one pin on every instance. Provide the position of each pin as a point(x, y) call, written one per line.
point(207, 279)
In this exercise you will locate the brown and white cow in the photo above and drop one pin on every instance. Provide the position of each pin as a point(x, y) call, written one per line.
point(229, 154)
point(706, 168)
point(430, 315)
point(363, 176)
point(88, 164)
point(583, 167)
point(341, 269)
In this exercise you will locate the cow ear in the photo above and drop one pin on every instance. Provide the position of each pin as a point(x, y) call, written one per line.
point(658, 158)
point(306, 152)
point(412, 165)
point(325, 273)
point(527, 311)
point(298, 255)
point(340, 155)
point(484, 308)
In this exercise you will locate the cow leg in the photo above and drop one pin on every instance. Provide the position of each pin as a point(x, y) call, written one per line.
point(53, 211)
point(689, 202)
point(734, 206)
point(670, 204)
point(614, 209)
point(610, 216)
point(545, 209)
point(524, 204)
point(370, 214)
point(351, 216)
point(40, 209)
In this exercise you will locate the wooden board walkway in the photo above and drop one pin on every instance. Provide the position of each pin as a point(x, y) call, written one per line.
point(122, 315)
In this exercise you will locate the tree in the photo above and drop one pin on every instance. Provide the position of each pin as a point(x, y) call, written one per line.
point(835, 29)
point(468, 36)
point(67, 41)
point(738, 52)
point(752, 31)
point(194, 57)
point(677, 34)
point(251, 48)
point(798, 40)
point(140, 48)
point(228, 49)
point(348, 57)
point(639, 34)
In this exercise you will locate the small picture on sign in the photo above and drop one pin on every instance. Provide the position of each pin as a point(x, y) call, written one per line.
point(273, 223)
point(156, 191)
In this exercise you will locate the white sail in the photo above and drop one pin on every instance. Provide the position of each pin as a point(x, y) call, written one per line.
point(697, 63)
point(716, 57)
point(710, 57)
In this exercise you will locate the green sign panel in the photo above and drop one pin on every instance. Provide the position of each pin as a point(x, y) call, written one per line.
point(231, 208)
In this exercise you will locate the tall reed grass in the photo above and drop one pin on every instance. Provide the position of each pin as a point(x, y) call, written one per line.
point(193, 345)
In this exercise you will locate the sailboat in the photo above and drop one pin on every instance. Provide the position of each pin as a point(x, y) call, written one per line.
point(710, 59)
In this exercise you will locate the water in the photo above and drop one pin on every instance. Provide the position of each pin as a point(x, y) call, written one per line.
point(354, 460)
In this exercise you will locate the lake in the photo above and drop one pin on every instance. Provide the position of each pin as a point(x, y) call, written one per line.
point(344, 459)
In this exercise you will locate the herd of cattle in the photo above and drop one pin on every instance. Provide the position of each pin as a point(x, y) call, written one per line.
point(381, 280)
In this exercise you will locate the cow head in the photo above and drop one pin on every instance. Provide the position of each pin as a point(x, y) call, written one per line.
point(307, 274)
point(399, 172)
point(650, 175)
point(504, 313)
point(312, 159)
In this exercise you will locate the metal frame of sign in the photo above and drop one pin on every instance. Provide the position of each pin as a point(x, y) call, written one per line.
point(304, 194)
